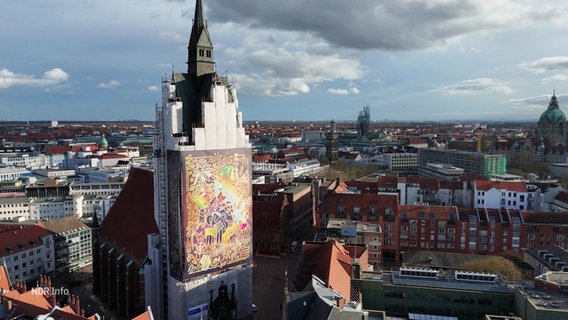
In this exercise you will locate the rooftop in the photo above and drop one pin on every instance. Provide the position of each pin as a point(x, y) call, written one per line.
point(65, 225)
point(21, 238)
point(131, 218)
point(445, 282)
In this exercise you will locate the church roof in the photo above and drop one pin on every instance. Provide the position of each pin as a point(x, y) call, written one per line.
point(553, 114)
point(131, 218)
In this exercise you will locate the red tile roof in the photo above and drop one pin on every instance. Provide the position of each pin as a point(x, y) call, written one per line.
point(23, 238)
point(145, 316)
point(31, 304)
point(57, 150)
point(332, 264)
point(341, 187)
point(517, 186)
point(113, 156)
point(4, 279)
point(131, 218)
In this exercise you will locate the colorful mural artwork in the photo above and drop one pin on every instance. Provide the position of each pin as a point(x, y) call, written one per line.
point(218, 210)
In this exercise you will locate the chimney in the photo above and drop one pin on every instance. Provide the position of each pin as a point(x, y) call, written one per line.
point(7, 305)
point(340, 302)
point(77, 305)
point(52, 300)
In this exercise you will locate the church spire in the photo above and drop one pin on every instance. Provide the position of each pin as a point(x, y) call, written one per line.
point(553, 104)
point(199, 17)
point(200, 50)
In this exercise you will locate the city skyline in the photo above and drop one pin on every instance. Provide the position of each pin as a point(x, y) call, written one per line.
point(407, 60)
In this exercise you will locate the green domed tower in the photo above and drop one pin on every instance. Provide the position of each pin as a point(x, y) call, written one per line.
point(103, 143)
point(552, 124)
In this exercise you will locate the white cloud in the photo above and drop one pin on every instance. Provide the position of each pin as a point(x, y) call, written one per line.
point(478, 86)
point(50, 78)
point(547, 64)
point(109, 85)
point(557, 77)
point(338, 91)
point(287, 68)
point(153, 88)
point(535, 102)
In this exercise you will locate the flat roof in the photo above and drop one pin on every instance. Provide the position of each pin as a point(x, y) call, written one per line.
point(446, 283)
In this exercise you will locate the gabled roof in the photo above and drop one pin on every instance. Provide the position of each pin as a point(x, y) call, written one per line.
point(131, 218)
point(341, 187)
point(66, 224)
point(517, 186)
point(331, 263)
point(23, 238)
point(31, 304)
point(28, 303)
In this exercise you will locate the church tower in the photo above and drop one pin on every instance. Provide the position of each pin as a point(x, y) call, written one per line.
point(551, 126)
point(200, 50)
point(202, 192)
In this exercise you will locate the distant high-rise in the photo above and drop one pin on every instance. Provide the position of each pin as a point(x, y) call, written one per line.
point(332, 151)
point(200, 263)
point(364, 122)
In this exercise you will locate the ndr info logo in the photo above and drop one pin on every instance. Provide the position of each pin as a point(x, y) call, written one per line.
point(39, 291)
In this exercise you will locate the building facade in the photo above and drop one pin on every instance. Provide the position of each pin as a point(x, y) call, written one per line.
point(72, 240)
point(202, 255)
point(27, 251)
point(471, 162)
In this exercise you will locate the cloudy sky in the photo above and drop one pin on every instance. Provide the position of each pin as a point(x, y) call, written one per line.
point(291, 60)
